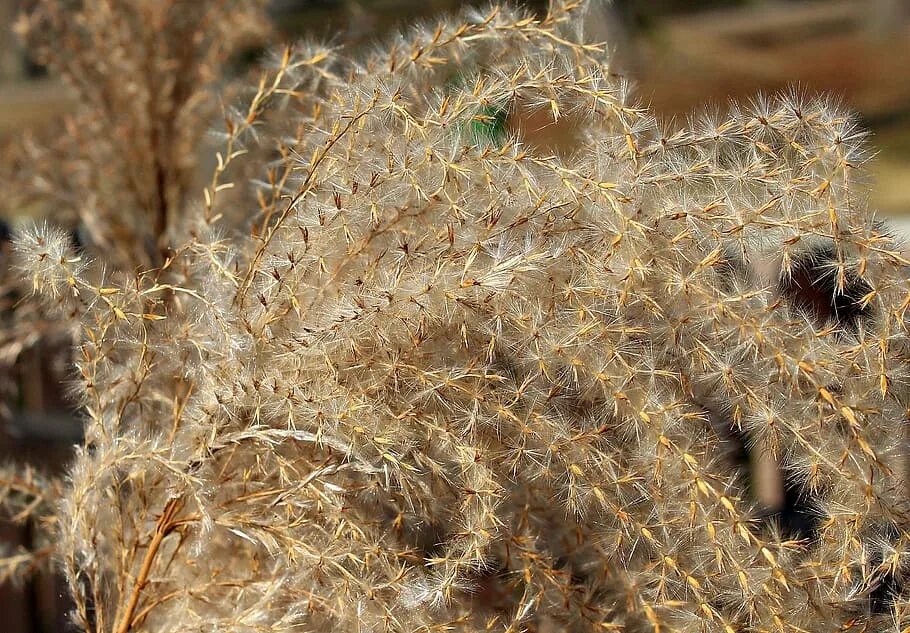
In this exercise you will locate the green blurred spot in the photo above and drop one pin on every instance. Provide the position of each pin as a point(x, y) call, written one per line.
point(488, 127)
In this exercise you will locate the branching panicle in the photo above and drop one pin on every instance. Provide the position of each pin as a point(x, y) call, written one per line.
point(442, 374)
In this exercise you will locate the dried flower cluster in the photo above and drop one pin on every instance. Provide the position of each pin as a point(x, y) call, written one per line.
point(142, 71)
point(452, 380)
point(120, 169)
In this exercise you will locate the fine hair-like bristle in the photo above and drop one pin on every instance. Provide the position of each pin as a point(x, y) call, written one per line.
point(441, 375)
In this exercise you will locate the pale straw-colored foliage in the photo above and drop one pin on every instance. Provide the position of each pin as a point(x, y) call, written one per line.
point(451, 379)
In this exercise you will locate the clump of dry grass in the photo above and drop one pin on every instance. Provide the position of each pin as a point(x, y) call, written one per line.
point(447, 379)
point(122, 169)
point(144, 74)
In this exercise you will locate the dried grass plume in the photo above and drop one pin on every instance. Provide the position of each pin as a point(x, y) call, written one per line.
point(445, 377)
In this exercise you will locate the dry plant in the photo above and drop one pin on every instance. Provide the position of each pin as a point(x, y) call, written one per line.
point(121, 169)
point(143, 73)
point(448, 379)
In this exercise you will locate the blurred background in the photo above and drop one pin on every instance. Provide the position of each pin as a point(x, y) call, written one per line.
point(683, 54)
